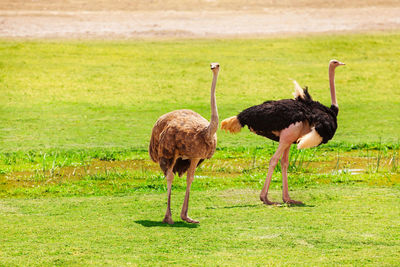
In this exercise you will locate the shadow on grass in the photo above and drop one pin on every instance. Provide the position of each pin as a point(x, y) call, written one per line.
point(232, 207)
point(294, 205)
point(256, 205)
point(282, 205)
point(147, 223)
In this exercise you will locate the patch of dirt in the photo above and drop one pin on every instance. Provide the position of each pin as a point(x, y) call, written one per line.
point(185, 5)
point(192, 19)
point(216, 167)
point(75, 173)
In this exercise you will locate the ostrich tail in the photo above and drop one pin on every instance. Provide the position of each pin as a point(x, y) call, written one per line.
point(153, 149)
point(231, 124)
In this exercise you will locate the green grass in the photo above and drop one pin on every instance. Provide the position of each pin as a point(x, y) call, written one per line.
point(99, 173)
point(77, 186)
point(84, 94)
point(339, 226)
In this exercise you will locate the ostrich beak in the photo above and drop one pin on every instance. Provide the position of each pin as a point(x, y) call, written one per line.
point(341, 64)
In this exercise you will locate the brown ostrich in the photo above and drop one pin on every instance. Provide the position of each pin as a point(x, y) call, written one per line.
point(301, 120)
point(180, 141)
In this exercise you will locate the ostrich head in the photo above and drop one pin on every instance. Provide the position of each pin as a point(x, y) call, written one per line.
point(214, 67)
point(334, 63)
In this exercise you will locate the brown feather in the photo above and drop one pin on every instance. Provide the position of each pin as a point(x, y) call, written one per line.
point(181, 134)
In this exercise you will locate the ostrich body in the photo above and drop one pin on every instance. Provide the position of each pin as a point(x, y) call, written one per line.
point(301, 120)
point(180, 141)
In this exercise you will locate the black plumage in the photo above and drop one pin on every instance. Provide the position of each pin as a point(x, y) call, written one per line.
point(324, 119)
point(180, 167)
point(274, 116)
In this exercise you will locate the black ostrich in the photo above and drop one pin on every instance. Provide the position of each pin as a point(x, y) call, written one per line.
point(301, 120)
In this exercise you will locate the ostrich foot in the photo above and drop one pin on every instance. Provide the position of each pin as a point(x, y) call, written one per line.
point(187, 219)
point(292, 202)
point(168, 219)
point(267, 202)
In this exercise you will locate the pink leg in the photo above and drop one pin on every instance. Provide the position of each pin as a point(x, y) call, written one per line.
point(285, 188)
point(189, 180)
point(272, 164)
point(170, 178)
point(286, 138)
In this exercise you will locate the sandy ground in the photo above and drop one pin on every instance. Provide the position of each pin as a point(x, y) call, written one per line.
point(65, 22)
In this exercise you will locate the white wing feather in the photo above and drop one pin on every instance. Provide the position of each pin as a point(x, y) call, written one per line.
point(298, 91)
point(311, 139)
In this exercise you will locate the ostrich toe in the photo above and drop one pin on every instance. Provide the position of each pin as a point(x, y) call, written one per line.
point(187, 219)
point(267, 202)
point(168, 220)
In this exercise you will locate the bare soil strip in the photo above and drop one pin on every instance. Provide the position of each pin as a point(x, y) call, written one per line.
point(194, 24)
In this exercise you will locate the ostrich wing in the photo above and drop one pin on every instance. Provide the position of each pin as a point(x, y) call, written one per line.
point(324, 120)
point(182, 132)
point(311, 139)
point(274, 116)
point(187, 142)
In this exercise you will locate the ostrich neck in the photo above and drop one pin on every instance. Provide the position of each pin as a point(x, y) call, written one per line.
point(332, 85)
point(212, 128)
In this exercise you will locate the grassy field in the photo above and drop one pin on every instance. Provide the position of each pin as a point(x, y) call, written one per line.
point(109, 94)
point(339, 226)
point(99, 172)
point(77, 186)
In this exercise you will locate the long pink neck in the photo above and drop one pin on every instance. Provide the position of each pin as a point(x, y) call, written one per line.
point(213, 127)
point(332, 85)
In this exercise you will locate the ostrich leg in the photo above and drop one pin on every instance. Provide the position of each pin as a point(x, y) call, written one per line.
point(285, 188)
point(272, 164)
point(170, 177)
point(286, 138)
point(189, 180)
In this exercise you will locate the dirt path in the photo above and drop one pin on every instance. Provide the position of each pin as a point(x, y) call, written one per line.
point(193, 24)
